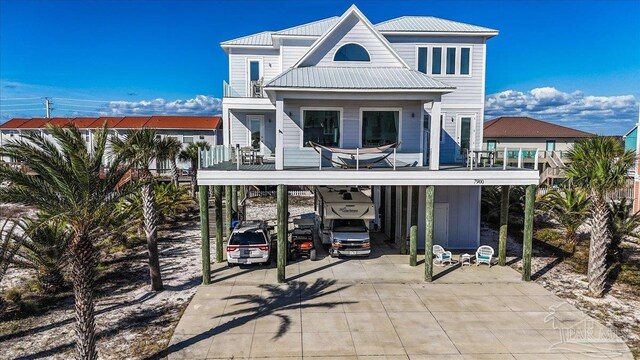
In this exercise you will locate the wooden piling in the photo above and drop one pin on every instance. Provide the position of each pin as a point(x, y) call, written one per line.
point(413, 246)
point(217, 196)
point(528, 232)
point(504, 221)
point(204, 232)
point(283, 217)
point(428, 235)
point(227, 210)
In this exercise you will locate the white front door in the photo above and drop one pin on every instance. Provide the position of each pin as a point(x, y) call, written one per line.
point(255, 133)
point(441, 224)
point(465, 135)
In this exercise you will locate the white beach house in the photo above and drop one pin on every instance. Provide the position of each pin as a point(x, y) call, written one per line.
point(396, 105)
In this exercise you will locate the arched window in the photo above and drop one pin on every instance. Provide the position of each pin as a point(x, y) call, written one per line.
point(351, 52)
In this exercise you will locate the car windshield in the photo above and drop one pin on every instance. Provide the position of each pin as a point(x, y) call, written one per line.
point(247, 238)
point(349, 225)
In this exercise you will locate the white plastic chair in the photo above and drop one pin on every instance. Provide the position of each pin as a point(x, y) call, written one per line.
point(484, 255)
point(441, 255)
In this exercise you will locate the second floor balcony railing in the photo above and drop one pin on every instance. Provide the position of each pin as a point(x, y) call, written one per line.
point(255, 90)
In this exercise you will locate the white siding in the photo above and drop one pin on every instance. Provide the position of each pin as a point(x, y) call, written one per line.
point(410, 126)
point(352, 31)
point(469, 88)
point(464, 219)
point(240, 130)
point(292, 51)
point(238, 78)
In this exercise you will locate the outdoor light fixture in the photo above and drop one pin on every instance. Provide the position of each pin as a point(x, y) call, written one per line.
point(413, 115)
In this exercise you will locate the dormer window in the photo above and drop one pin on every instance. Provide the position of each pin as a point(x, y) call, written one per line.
point(351, 52)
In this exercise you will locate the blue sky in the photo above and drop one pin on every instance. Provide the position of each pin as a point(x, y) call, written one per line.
point(571, 62)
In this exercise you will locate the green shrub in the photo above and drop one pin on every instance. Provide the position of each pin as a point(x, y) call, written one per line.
point(14, 295)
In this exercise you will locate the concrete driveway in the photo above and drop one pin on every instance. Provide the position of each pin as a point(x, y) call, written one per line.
point(379, 308)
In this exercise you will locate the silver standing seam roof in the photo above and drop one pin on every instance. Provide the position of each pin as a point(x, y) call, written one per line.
point(429, 24)
point(259, 39)
point(316, 28)
point(314, 77)
point(401, 24)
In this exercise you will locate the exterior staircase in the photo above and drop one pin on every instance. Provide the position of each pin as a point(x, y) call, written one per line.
point(555, 168)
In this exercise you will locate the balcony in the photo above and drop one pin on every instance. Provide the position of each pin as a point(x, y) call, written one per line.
point(256, 90)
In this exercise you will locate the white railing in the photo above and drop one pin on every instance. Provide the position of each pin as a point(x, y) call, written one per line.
point(215, 155)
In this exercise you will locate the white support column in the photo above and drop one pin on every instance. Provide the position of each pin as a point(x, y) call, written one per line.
point(398, 216)
point(226, 126)
point(434, 136)
point(279, 133)
point(409, 206)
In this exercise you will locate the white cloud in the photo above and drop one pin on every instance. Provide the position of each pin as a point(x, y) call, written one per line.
point(602, 114)
point(199, 105)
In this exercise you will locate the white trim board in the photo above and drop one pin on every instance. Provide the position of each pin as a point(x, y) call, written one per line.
point(370, 177)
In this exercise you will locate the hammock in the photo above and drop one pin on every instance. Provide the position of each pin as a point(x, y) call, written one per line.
point(367, 163)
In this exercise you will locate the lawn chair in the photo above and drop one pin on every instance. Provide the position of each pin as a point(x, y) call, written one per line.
point(484, 255)
point(441, 255)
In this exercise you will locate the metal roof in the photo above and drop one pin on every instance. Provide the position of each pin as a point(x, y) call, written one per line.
point(526, 127)
point(429, 24)
point(259, 39)
point(316, 28)
point(315, 77)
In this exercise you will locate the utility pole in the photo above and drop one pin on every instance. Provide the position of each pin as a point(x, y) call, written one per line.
point(47, 105)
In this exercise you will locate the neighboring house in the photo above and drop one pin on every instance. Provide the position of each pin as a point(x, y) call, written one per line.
point(351, 86)
point(523, 137)
point(187, 129)
point(631, 142)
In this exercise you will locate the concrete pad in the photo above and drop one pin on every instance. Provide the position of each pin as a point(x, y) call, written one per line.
point(394, 291)
point(377, 343)
point(337, 343)
point(521, 303)
point(439, 343)
point(324, 322)
point(523, 341)
point(287, 321)
point(379, 308)
point(272, 345)
point(188, 347)
point(363, 304)
point(404, 305)
point(225, 346)
point(196, 324)
point(476, 342)
point(369, 322)
point(416, 321)
point(459, 320)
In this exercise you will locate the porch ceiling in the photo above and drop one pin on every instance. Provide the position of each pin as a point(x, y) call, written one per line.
point(458, 176)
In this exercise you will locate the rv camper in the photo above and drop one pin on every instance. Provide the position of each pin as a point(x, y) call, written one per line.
point(344, 214)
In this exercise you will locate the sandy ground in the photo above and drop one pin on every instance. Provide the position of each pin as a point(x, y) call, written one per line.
point(132, 321)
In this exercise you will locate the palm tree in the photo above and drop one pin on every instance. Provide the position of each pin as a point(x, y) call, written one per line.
point(43, 246)
point(70, 187)
point(623, 225)
point(141, 147)
point(173, 148)
point(192, 154)
point(598, 166)
point(570, 208)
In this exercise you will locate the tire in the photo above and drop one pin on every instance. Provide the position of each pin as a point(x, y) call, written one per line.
point(312, 255)
point(333, 254)
point(230, 264)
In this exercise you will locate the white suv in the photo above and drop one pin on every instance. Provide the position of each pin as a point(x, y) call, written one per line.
point(249, 243)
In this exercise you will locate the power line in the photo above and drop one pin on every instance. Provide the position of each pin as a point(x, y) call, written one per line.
point(30, 104)
point(100, 101)
point(75, 105)
point(10, 99)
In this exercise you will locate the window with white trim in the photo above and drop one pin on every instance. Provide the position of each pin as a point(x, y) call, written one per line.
point(321, 127)
point(351, 52)
point(380, 128)
point(443, 60)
